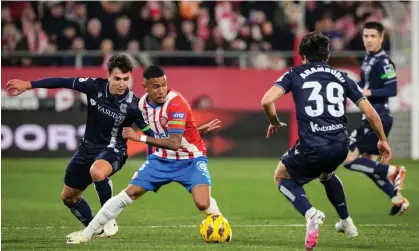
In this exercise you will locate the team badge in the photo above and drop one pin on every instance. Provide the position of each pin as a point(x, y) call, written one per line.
point(123, 108)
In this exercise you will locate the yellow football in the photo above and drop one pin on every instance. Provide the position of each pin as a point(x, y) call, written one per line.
point(215, 229)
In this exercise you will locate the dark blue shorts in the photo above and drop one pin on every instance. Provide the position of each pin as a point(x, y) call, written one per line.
point(157, 171)
point(305, 164)
point(77, 173)
point(365, 139)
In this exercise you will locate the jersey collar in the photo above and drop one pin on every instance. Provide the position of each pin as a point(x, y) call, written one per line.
point(380, 51)
point(119, 98)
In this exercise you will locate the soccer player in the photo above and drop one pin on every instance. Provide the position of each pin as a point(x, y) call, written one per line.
point(320, 93)
point(103, 150)
point(379, 81)
point(179, 154)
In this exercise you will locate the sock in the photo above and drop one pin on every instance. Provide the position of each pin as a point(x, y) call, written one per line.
point(213, 208)
point(336, 195)
point(376, 171)
point(82, 211)
point(368, 166)
point(296, 195)
point(104, 190)
point(384, 185)
point(112, 208)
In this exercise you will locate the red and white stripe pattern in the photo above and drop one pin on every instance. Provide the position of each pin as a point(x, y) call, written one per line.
point(158, 119)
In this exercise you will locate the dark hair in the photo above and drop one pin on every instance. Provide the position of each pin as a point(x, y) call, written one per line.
point(374, 25)
point(314, 47)
point(121, 62)
point(153, 71)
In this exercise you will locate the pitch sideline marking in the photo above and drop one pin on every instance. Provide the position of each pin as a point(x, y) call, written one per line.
point(195, 226)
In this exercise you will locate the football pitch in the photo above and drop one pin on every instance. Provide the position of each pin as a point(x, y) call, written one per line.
point(33, 216)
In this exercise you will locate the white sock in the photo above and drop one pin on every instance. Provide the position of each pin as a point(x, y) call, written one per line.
point(310, 213)
point(213, 208)
point(391, 170)
point(112, 208)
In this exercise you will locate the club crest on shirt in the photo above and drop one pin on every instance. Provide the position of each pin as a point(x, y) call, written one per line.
point(123, 108)
point(163, 121)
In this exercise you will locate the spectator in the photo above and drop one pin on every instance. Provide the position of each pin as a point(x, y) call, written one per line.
point(93, 37)
point(123, 29)
point(154, 40)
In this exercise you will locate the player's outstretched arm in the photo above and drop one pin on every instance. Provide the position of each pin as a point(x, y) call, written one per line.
point(376, 124)
point(173, 142)
point(16, 86)
point(208, 127)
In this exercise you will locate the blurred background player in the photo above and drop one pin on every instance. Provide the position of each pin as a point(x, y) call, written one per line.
point(179, 154)
point(379, 81)
point(320, 94)
point(103, 150)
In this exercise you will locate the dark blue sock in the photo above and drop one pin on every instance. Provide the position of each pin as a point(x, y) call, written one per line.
point(384, 185)
point(368, 166)
point(104, 190)
point(375, 171)
point(82, 211)
point(336, 195)
point(295, 194)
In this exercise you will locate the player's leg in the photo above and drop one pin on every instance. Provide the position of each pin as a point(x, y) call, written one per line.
point(76, 180)
point(146, 178)
point(292, 189)
point(193, 174)
point(78, 206)
point(336, 195)
point(106, 164)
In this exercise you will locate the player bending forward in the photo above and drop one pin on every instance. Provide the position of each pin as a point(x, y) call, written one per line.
point(319, 92)
point(178, 154)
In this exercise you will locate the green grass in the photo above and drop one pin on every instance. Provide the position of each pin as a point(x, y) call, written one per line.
point(34, 218)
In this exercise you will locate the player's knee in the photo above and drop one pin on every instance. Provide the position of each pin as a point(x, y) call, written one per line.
point(203, 204)
point(69, 200)
point(97, 175)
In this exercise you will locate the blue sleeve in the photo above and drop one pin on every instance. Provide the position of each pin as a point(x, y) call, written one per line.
point(389, 90)
point(354, 92)
point(284, 82)
point(387, 72)
point(84, 85)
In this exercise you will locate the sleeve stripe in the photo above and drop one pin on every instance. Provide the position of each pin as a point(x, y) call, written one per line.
point(359, 100)
point(277, 84)
point(390, 81)
point(175, 122)
point(74, 82)
point(145, 128)
point(391, 74)
point(175, 130)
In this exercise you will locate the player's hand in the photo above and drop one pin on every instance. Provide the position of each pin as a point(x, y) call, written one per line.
point(16, 87)
point(208, 127)
point(272, 129)
point(385, 151)
point(129, 133)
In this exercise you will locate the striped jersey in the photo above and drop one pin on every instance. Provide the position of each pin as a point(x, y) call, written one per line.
point(173, 116)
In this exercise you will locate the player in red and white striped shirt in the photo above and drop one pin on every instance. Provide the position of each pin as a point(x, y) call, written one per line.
point(179, 153)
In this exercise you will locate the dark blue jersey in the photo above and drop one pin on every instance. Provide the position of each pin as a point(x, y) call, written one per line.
point(378, 73)
point(320, 94)
point(107, 114)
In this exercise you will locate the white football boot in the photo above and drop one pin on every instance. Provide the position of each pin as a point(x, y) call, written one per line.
point(78, 238)
point(347, 227)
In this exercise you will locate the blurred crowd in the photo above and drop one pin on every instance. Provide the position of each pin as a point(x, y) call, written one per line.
point(168, 26)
